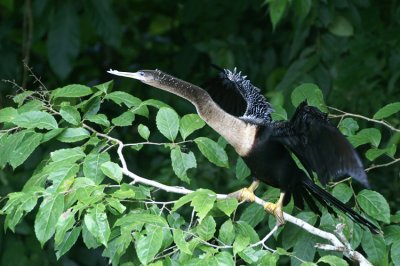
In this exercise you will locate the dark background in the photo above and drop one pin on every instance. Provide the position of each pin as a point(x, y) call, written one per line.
point(351, 49)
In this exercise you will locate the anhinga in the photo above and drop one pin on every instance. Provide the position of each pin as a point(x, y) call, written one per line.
point(237, 110)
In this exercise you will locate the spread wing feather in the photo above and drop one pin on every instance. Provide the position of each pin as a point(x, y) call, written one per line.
point(319, 145)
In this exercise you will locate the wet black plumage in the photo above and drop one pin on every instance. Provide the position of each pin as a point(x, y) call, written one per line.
point(319, 146)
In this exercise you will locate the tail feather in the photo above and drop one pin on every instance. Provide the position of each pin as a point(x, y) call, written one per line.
point(327, 199)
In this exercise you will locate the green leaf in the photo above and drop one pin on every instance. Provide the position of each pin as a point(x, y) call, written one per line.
point(148, 246)
point(341, 27)
point(292, 235)
point(117, 247)
point(63, 39)
point(395, 253)
point(69, 240)
point(97, 224)
point(32, 105)
point(392, 234)
point(348, 126)
point(125, 119)
point(112, 170)
point(9, 143)
point(124, 193)
point(47, 217)
point(374, 153)
point(142, 110)
point(276, 10)
point(8, 114)
point(302, 8)
point(333, 260)
point(182, 162)
point(190, 123)
point(304, 248)
point(310, 92)
point(70, 114)
point(91, 166)
point(71, 91)
point(212, 151)
point(342, 192)
point(253, 214)
point(120, 97)
point(244, 229)
point(183, 200)
point(156, 103)
point(224, 258)
point(250, 255)
point(374, 204)
point(387, 110)
point(241, 242)
point(4, 144)
point(52, 134)
point(167, 121)
point(179, 240)
point(65, 222)
point(71, 135)
point(143, 218)
point(202, 202)
point(91, 106)
point(366, 135)
point(395, 218)
point(374, 246)
point(242, 171)
point(68, 155)
point(35, 119)
point(21, 97)
point(227, 206)
point(24, 149)
point(99, 119)
point(144, 131)
point(227, 232)
point(18, 205)
point(270, 259)
point(89, 240)
point(206, 229)
point(105, 87)
point(116, 205)
point(60, 172)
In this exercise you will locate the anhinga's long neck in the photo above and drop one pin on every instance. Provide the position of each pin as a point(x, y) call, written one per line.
point(239, 134)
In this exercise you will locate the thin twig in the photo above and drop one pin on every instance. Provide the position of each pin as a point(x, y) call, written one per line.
point(157, 143)
point(382, 165)
point(262, 241)
point(344, 114)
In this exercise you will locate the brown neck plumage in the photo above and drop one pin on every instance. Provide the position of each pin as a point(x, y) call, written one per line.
point(238, 133)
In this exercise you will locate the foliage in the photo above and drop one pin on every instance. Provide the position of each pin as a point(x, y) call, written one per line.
point(350, 49)
point(82, 188)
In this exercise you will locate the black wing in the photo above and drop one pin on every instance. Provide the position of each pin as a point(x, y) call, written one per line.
point(319, 146)
point(237, 96)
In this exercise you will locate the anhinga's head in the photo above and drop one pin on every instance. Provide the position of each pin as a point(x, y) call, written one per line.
point(149, 77)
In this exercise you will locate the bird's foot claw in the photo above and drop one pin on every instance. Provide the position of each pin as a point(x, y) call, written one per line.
point(247, 194)
point(277, 211)
point(243, 194)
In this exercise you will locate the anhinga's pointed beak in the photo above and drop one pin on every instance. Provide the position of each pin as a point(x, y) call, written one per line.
point(134, 75)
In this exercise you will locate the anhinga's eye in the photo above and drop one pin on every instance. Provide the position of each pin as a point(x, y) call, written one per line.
point(141, 73)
